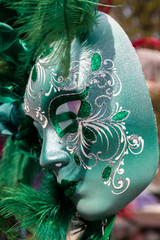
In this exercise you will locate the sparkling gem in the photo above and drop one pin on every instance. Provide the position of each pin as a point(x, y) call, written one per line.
point(120, 116)
point(89, 134)
point(76, 159)
point(96, 62)
point(106, 173)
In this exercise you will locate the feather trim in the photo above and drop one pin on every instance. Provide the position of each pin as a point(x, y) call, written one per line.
point(6, 230)
point(46, 212)
point(55, 22)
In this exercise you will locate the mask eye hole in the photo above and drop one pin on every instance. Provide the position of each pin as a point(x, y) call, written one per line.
point(74, 106)
point(67, 112)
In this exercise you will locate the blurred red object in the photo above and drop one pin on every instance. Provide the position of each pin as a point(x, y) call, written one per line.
point(149, 42)
point(127, 212)
point(150, 61)
point(103, 8)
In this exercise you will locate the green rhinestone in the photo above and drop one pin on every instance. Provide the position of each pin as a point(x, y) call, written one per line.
point(85, 109)
point(106, 173)
point(120, 116)
point(96, 62)
point(76, 159)
point(88, 134)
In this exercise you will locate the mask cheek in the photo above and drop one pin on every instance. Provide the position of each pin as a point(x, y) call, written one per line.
point(93, 200)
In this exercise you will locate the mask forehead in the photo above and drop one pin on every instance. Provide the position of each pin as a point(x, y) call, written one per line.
point(112, 136)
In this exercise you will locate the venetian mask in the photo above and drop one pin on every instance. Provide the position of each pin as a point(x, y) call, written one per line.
point(97, 125)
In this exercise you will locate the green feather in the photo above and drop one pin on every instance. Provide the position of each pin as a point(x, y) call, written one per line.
point(9, 165)
point(7, 96)
point(7, 36)
point(56, 23)
point(6, 230)
point(46, 212)
point(16, 167)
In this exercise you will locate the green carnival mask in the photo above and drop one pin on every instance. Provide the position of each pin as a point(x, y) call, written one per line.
point(98, 127)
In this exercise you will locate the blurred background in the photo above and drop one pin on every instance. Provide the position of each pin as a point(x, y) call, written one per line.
point(140, 19)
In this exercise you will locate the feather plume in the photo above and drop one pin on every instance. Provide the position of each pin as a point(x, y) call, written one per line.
point(5, 225)
point(46, 212)
point(55, 22)
point(16, 167)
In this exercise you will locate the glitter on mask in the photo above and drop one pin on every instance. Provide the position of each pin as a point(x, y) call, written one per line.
point(89, 134)
point(96, 62)
point(85, 109)
point(91, 124)
point(120, 116)
point(76, 159)
point(106, 173)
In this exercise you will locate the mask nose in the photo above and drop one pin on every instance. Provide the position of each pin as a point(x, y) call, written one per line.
point(53, 157)
point(54, 160)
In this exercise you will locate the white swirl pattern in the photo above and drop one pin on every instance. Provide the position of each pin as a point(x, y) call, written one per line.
point(101, 124)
